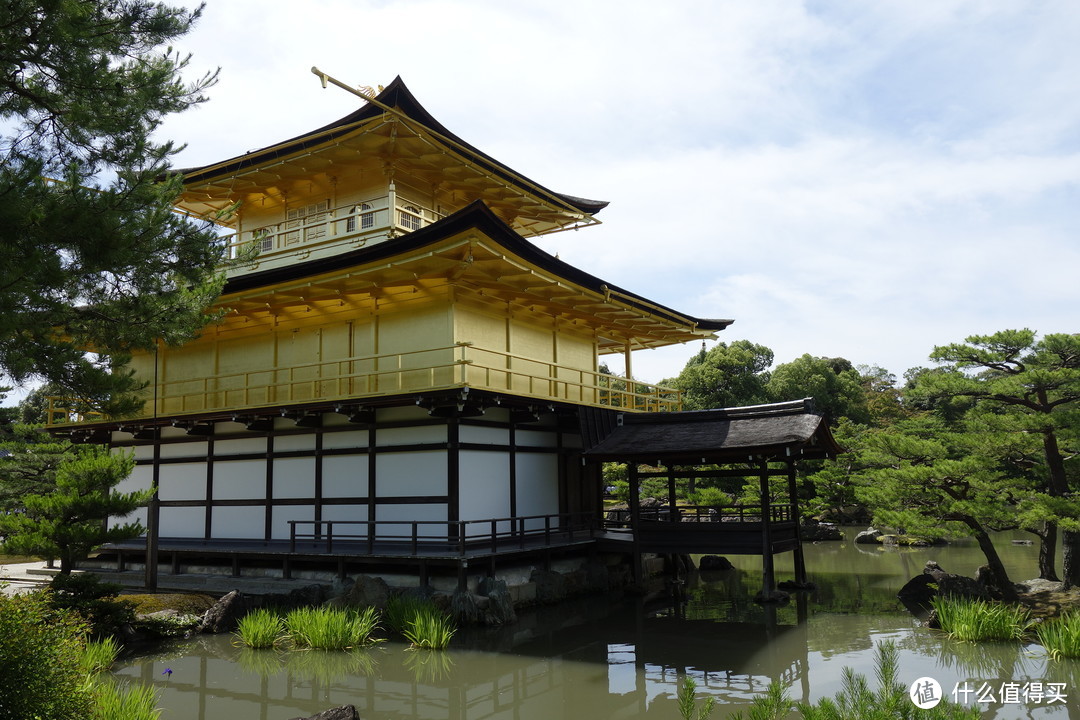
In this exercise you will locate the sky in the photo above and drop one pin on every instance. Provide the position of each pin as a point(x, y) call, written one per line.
point(843, 178)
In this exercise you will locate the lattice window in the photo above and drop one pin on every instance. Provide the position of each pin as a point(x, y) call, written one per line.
point(409, 217)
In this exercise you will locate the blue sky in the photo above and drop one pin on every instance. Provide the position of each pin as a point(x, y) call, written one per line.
point(849, 178)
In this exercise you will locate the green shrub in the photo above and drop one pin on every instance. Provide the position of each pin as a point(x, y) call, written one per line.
point(710, 497)
point(331, 629)
point(260, 629)
point(975, 620)
point(1061, 636)
point(94, 600)
point(40, 661)
point(430, 629)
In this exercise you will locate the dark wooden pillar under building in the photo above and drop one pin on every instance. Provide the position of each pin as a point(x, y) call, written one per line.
point(793, 495)
point(153, 519)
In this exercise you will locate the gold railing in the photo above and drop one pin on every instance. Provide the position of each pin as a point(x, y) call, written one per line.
point(417, 371)
point(352, 222)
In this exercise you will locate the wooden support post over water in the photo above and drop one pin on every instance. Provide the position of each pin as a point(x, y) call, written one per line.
point(767, 569)
point(635, 520)
point(793, 494)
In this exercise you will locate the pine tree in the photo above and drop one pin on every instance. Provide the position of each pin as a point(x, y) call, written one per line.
point(71, 521)
point(1027, 393)
point(92, 256)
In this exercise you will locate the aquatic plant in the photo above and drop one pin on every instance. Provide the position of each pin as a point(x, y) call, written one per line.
point(687, 699)
point(129, 701)
point(1061, 636)
point(974, 620)
point(856, 700)
point(331, 628)
point(430, 629)
point(401, 609)
point(99, 655)
point(260, 629)
point(429, 667)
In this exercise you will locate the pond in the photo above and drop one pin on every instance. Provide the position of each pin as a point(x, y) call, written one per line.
point(595, 658)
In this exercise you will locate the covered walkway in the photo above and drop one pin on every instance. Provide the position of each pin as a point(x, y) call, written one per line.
point(762, 442)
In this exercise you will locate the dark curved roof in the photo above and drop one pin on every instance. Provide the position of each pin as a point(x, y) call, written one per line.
point(395, 95)
point(790, 429)
point(476, 216)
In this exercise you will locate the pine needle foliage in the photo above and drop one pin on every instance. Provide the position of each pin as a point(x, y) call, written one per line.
point(856, 699)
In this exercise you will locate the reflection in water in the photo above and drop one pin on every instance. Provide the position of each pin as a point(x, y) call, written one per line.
point(591, 660)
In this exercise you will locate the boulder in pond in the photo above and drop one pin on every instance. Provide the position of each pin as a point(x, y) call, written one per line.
point(225, 615)
point(869, 536)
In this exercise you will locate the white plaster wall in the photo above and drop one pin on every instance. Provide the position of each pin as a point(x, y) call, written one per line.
point(485, 489)
point(240, 480)
point(294, 477)
point(185, 481)
point(411, 473)
point(537, 485)
point(142, 452)
point(346, 512)
point(410, 435)
point(486, 435)
point(535, 438)
point(285, 443)
point(184, 450)
point(185, 522)
point(240, 446)
point(397, 519)
point(140, 479)
point(139, 514)
point(345, 476)
point(238, 522)
point(354, 439)
point(279, 522)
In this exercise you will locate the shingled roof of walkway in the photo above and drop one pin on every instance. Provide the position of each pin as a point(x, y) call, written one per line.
point(777, 430)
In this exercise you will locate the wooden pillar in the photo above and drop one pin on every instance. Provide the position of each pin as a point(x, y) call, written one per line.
point(635, 520)
point(153, 518)
point(793, 495)
point(767, 570)
point(673, 512)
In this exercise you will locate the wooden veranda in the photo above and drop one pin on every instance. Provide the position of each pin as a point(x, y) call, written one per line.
point(761, 441)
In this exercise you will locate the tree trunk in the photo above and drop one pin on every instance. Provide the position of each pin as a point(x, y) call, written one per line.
point(1048, 538)
point(993, 561)
point(1070, 570)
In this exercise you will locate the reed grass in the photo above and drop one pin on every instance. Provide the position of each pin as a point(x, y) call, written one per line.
point(330, 628)
point(99, 655)
point(977, 620)
point(430, 629)
point(260, 629)
point(132, 701)
point(1061, 636)
point(401, 609)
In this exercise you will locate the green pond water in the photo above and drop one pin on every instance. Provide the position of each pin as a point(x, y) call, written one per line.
point(595, 658)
